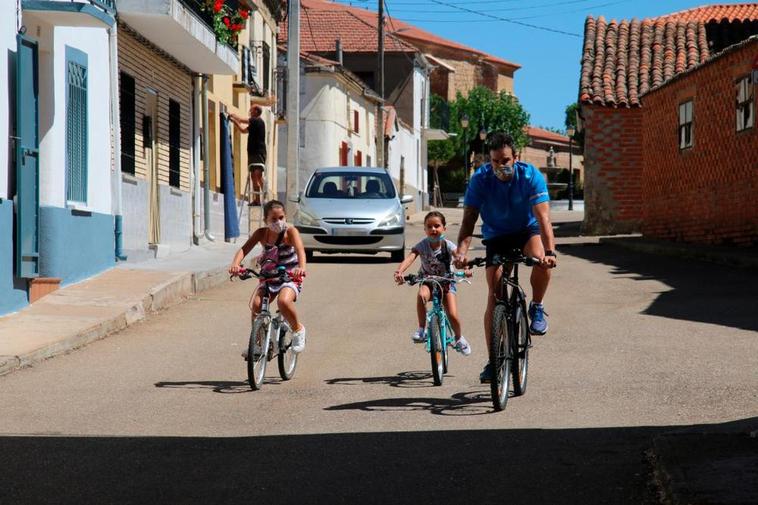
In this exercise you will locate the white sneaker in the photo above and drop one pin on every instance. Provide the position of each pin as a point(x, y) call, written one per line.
point(419, 336)
point(462, 346)
point(298, 340)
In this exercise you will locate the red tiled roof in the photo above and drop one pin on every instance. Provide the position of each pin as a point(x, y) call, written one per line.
point(717, 13)
point(621, 61)
point(320, 29)
point(401, 29)
point(539, 133)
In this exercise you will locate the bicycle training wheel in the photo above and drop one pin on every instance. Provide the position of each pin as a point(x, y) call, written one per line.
point(286, 357)
point(521, 350)
point(436, 350)
point(500, 358)
point(257, 351)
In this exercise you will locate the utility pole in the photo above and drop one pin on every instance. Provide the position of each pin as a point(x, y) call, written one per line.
point(293, 106)
point(380, 83)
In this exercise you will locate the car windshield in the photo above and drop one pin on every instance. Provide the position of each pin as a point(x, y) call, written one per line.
point(351, 185)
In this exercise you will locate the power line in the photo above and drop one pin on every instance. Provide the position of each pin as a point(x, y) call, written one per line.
point(512, 21)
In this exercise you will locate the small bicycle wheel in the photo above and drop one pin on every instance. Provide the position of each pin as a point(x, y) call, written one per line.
point(521, 350)
point(436, 350)
point(500, 358)
point(257, 351)
point(286, 357)
point(446, 352)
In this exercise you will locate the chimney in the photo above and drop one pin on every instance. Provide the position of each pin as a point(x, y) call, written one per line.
point(338, 49)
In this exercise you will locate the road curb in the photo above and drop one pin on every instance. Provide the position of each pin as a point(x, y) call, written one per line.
point(159, 297)
point(734, 257)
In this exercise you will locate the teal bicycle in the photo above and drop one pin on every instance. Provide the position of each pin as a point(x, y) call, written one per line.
point(439, 332)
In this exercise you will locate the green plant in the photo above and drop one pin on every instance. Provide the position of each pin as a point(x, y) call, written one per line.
point(227, 22)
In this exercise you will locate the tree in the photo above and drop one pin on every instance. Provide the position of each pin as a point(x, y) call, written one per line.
point(486, 110)
point(571, 112)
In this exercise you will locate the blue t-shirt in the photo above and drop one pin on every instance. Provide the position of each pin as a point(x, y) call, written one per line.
point(506, 207)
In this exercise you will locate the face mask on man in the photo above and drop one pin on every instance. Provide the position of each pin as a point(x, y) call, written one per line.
point(504, 172)
point(278, 226)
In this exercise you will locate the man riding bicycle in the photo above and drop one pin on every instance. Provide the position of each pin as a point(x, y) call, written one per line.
point(512, 199)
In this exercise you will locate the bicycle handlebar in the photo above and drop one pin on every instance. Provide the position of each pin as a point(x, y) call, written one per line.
point(280, 274)
point(454, 277)
point(498, 260)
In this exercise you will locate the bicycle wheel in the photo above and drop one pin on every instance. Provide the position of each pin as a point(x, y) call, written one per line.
point(446, 352)
point(520, 350)
point(257, 353)
point(286, 357)
point(436, 350)
point(500, 358)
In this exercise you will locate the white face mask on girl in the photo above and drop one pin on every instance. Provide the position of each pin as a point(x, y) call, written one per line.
point(278, 226)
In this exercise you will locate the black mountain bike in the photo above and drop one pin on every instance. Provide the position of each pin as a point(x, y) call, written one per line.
point(511, 340)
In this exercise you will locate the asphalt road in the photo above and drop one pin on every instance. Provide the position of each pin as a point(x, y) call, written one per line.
point(161, 413)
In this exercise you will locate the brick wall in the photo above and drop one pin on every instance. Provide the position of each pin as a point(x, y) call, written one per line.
point(151, 69)
point(707, 193)
point(612, 169)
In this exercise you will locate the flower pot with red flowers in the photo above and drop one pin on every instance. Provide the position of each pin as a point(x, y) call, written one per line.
point(227, 22)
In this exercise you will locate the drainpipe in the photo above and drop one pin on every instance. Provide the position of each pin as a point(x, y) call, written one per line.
point(116, 203)
point(197, 233)
point(206, 166)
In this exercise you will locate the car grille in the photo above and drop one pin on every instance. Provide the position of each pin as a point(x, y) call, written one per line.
point(336, 240)
point(348, 220)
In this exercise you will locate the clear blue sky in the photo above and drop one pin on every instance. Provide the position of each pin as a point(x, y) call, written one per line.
point(550, 62)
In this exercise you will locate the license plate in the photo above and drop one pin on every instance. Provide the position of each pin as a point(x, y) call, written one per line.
point(348, 232)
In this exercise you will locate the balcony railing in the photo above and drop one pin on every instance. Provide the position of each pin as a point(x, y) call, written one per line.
point(204, 12)
point(107, 5)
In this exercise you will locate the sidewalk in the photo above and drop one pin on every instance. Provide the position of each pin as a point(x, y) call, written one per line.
point(92, 309)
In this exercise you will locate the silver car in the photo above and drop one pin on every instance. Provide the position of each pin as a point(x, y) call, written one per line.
point(352, 210)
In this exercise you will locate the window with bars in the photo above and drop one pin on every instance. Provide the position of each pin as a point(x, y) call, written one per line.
point(174, 143)
point(686, 132)
point(76, 125)
point(745, 104)
point(128, 122)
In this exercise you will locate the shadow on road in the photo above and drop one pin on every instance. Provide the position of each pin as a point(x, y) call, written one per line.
point(702, 292)
point(401, 380)
point(472, 403)
point(225, 387)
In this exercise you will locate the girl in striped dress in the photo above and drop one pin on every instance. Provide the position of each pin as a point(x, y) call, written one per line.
point(283, 246)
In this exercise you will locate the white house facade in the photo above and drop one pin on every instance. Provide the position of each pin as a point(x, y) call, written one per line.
point(55, 177)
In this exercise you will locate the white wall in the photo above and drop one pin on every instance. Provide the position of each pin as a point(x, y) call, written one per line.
point(52, 105)
point(7, 43)
point(326, 118)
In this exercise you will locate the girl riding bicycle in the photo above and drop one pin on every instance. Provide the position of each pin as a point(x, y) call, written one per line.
point(282, 247)
point(436, 259)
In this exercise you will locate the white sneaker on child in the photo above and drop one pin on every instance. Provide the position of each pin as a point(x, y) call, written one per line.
point(462, 346)
point(419, 336)
point(298, 340)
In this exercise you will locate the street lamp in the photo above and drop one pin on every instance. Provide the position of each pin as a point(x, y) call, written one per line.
point(464, 125)
point(570, 131)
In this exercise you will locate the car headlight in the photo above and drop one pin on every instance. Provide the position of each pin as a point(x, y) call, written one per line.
point(306, 219)
point(392, 220)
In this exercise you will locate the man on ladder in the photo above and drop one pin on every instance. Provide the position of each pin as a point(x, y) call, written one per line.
point(255, 128)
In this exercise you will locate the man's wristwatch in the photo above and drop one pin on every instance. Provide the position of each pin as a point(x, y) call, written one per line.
point(550, 252)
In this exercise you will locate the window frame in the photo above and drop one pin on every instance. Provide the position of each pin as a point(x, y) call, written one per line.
point(77, 57)
point(749, 102)
point(683, 125)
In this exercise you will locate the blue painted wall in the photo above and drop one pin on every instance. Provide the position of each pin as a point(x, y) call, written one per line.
point(13, 294)
point(75, 245)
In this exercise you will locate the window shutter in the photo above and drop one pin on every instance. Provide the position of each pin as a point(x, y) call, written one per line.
point(76, 126)
point(174, 139)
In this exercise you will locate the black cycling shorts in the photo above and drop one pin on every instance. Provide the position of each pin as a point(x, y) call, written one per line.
point(507, 244)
